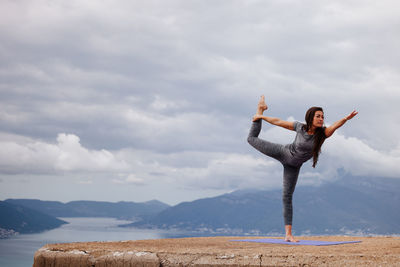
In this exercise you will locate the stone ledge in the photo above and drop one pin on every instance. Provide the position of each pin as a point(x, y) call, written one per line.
point(218, 251)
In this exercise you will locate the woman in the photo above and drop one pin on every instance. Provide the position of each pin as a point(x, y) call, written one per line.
point(307, 145)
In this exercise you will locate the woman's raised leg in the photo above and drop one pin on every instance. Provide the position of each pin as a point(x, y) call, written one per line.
point(270, 149)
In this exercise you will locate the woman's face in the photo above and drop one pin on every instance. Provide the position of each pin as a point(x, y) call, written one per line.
point(318, 120)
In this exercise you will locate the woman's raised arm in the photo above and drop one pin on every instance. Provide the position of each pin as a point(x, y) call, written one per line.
point(331, 129)
point(275, 121)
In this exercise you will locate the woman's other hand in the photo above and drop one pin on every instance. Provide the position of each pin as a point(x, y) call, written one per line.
point(351, 115)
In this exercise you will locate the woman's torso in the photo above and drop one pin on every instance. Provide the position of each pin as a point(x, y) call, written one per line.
point(300, 150)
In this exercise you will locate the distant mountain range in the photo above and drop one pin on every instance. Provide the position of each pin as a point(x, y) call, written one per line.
point(352, 205)
point(119, 210)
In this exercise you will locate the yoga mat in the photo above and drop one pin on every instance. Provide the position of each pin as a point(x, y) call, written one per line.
point(301, 242)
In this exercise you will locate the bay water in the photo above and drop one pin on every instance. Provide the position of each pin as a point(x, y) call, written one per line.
point(18, 251)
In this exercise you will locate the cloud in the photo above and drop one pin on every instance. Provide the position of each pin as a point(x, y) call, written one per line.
point(235, 171)
point(358, 158)
point(154, 62)
point(193, 169)
point(67, 155)
point(72, 156)
point(165, 91)
point(130, 179)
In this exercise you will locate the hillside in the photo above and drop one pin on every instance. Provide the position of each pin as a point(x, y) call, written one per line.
point(16, 218)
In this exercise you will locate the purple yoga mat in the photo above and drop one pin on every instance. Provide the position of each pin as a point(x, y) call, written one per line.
point(301, 242)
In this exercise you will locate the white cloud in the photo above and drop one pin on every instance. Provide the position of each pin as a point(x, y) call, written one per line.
point(358, 158)
point(72, 157)
point(193, 169)
point(66, 155)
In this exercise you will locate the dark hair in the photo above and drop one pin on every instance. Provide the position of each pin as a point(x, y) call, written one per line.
point(319, 134)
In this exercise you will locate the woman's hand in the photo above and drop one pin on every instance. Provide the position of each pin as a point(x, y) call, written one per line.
point(331, 129)
point(257, 117)
point(351, 115)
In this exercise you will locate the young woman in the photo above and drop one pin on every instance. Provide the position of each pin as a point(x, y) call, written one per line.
point(307, 145)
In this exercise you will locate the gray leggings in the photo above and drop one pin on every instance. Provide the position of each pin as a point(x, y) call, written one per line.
point(290, 173)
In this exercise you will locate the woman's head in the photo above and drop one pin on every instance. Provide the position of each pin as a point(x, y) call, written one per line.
point(315, 120)
point(314, 117)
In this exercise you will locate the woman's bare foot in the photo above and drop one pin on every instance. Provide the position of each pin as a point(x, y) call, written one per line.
point(290, 238)
point(261, 106)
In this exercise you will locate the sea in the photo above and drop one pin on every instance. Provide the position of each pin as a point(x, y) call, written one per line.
point(18, 250)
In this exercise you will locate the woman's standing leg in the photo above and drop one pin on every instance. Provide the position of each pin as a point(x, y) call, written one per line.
point(290, 175)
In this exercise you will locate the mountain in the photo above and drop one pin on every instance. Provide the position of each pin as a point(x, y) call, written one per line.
point(120, 210)
point(351, 205)
point(16, 218)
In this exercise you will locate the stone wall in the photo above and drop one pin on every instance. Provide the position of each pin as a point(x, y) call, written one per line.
point(219, 251)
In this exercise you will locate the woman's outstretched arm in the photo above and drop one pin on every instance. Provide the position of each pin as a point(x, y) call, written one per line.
point(331, 129)
point(275, 121)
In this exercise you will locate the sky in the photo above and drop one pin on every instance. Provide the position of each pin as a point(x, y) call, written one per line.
point(141, 100)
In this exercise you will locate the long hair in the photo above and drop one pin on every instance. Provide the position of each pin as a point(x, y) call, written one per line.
point(319, 135)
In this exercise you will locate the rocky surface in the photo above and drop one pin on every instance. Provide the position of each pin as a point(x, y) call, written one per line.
point(219, 251)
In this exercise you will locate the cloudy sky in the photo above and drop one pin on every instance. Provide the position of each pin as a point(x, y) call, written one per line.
point(140, 100)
